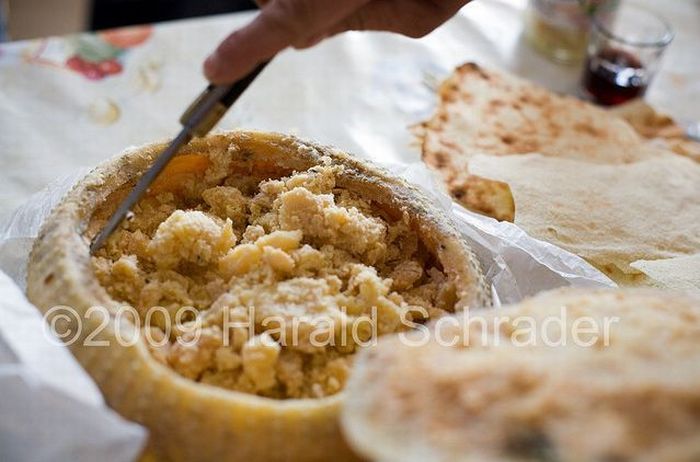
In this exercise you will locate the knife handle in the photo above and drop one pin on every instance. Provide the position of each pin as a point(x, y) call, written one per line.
point(211, 105)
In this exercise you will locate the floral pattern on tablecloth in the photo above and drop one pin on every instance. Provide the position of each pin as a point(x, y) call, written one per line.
point(94, 56)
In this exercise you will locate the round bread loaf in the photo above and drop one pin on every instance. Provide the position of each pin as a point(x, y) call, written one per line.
point(568, 375)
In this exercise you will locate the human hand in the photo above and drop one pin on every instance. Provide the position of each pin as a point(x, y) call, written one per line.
point(304, 23)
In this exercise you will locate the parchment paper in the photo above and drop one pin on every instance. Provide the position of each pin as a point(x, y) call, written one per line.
point(51, 410)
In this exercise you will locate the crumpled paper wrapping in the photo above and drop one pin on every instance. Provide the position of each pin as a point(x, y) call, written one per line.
point(515, 264)
point(50, 408)
point(55, 410)
point(18, 232)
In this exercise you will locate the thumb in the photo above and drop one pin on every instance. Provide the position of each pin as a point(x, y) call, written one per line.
point(243, 49)
point(280, 24)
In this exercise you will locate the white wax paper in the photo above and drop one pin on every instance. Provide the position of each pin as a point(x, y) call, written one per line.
point(515, 264)
point(50, 409)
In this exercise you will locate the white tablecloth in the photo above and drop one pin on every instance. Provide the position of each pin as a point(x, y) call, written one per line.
point(358, 91)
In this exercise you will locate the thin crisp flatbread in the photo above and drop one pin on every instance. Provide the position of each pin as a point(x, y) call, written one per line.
point(658, 127)
point(483, 111)
point(611, 215)
point(680, 273)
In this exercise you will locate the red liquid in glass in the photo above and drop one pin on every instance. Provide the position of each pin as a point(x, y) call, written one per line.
point(614, 76)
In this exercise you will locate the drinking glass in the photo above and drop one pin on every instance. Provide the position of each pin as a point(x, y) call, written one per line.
point(623, 54)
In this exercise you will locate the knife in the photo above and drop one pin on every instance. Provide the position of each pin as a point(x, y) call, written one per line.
point(199, 118)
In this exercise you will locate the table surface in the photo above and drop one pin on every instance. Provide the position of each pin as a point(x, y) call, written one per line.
point(358, 91)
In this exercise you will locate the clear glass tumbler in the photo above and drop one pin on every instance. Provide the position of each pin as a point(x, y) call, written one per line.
point(558, 29)
point(623, 54)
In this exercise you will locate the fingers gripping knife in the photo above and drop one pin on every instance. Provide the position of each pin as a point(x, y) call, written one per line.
point(197, 121)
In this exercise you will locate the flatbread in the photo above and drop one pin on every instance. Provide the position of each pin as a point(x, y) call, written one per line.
point(487, 112)
point(519, 384)
point(680, 273)
point(611, 215)
point(658, 127)
point(647, 121)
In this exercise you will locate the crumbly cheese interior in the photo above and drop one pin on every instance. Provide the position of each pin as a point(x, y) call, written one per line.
point(278, 276)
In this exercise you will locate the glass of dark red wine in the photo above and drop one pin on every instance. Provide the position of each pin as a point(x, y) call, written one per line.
point(624, 50)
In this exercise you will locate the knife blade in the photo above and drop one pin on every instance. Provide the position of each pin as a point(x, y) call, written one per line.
point(199, 118)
